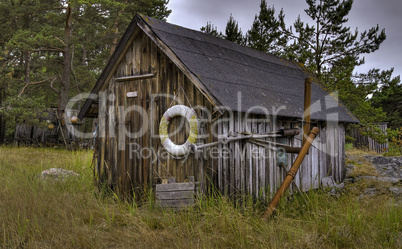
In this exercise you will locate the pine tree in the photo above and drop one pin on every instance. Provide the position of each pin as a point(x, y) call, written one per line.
point(233, 32)
point(52, 50)
point(321, 45)
point(265, 34)
point(389, 98)
point(211, 29)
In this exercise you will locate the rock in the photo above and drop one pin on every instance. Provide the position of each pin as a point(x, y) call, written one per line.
point(369, 192)
point(328, 182)
point(387, 166)
point(378, 178)
point(57, 173)
point(397, 191)
point(388, 170)
point(349, 169)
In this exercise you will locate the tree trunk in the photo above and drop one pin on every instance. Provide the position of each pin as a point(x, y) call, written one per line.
point(67, 60)
point(116, 32)
point(66, 74)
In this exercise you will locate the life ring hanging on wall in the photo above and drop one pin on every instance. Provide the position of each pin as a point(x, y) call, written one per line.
point(191, 117)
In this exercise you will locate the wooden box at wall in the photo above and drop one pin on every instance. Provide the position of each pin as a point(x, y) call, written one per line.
point(176, 195)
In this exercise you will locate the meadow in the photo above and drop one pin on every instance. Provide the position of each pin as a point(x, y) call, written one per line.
point(72, 213)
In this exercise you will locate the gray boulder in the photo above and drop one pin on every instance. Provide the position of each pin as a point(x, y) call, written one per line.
point(56, 173)
point(329, 183)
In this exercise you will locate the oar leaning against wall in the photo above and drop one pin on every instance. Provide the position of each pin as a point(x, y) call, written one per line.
point(291, 174)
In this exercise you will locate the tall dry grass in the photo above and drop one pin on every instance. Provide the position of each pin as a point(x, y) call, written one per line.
point(72, 214)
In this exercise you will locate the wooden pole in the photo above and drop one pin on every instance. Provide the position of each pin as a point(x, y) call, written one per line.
point(307, 109)
point(291, 174)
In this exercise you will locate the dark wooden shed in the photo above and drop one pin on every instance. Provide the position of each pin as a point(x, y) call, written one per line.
point(235, 91)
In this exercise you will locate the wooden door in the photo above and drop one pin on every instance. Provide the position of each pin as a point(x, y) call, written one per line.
point(133, 135)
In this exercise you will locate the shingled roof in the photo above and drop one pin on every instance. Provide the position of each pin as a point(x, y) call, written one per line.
point(238, 77)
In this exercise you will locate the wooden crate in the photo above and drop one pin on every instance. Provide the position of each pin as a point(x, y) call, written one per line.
point(176, 195)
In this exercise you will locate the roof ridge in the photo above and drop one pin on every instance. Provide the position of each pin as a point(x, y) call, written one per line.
point(265, 54)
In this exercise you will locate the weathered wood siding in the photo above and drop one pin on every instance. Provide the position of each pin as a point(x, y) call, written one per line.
point(244, 167)
point(139, 161)
point(133, 162)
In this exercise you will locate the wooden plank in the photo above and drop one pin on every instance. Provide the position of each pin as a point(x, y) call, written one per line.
point(315, 174)
point(109, 149)
point(175, 187)
point(150, 106)
point(305, 169)
point(342, 168)
point(261, 166)
point(168, 91)
point(235, 162)
point(146, 139)
point(296, 142)
point(183, 134)
point(225, 156)
point(175, 203)
point(188, 94)
point(273, 166)
point(135, 77)
point(328, 149)
point(175, 195)
point(254, 182)
point(155, 116)
point(202, 164)
point(221, 163)
point(102, 133)
point(240, 170)
point(336, 152)
point(113, 149)
point(243, 158)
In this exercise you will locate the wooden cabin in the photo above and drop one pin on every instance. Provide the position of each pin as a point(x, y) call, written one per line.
point(236, 92)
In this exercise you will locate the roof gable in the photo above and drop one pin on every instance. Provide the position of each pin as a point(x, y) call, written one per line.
point(240, 78)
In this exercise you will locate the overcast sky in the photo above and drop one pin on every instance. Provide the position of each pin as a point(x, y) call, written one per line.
point(365, 14)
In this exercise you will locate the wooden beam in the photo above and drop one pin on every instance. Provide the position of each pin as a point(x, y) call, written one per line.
point(307, 109)
point(135, 77)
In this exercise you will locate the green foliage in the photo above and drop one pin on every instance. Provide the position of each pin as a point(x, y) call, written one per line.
point(389, 98)
point(265, 34)
point(322, 45)
point(233, 32)
point(48, 56)
point(331, 51)
point(211, 29)
point(23, 110)
point(394, 142)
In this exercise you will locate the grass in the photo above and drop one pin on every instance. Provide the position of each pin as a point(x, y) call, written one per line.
point(72, 214)
point(362, 166)
point(393, 150)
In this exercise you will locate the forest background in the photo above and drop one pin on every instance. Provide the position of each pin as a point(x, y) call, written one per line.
point(52, 50)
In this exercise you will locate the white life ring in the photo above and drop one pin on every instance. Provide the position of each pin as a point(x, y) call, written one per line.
point(191, 117)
